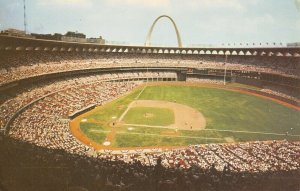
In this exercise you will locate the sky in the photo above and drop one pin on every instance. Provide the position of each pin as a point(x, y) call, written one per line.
point(128, 21)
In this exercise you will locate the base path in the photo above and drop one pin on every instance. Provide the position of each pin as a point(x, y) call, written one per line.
point(186, 118)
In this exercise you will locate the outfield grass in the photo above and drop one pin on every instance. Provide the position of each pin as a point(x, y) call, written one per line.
point(230, 110)
point(149, 116)
point(223, 110)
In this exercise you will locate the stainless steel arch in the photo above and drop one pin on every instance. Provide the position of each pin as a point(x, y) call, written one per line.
point(148, 38)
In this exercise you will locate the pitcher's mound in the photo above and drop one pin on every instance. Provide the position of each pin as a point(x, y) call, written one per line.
point(148, 115)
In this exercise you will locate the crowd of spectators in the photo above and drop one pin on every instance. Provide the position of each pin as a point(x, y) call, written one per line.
point(274, 91)
point(40, 136)
point(11, 104)
point(45, 123)
point(261, 166)
point(20, 65)
point(243, 157)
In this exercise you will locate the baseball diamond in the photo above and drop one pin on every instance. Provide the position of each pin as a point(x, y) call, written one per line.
point(211, 102)
point(167, 114)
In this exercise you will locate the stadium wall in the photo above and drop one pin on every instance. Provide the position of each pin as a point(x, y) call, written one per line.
point(21, 43)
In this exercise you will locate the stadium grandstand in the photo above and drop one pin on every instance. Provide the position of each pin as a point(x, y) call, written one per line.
point(79, 114)
point(43, 82)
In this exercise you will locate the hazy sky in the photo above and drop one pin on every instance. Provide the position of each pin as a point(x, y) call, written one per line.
point(199, 21)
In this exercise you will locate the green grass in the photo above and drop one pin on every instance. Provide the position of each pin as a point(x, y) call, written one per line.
point(88, 128)
point(223, 110)
point(230, 110)
point(133, 140)
point(113, 109)
point(159, 116)
point(144, 130)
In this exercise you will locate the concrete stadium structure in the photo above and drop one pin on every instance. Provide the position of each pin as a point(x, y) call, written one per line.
point(44, 83)
point(18, 43)
point(15, 46)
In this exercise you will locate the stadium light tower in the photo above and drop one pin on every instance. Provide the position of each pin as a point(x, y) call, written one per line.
point(225, 68)
point(25, 24)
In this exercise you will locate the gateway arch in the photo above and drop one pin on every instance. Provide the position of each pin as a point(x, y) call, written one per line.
point(148, 38)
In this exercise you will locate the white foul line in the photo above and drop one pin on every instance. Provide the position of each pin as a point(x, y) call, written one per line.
point(129, 106)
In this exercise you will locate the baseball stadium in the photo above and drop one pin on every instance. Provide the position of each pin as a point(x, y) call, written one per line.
point(78, 114)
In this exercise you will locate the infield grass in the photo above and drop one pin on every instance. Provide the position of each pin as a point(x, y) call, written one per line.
point(149, 116)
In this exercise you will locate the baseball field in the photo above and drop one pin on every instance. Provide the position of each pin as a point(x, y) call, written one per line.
point(165, 115)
